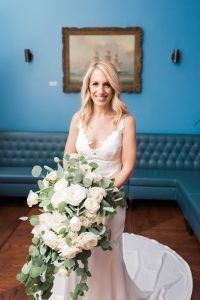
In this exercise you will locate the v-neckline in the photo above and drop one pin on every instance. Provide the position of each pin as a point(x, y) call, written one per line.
point(102, 142)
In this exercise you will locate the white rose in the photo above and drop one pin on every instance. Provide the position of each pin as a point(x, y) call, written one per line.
point(69, 252)
point(38, 230)
point(32, 198)
point(45, 220)
point(75, 194)
point(87, 240)
point(63, 272)
point(58, 197)
point(96, 193)
point(60, 185)
point(91, 205)
point(50, 239)
point(45, 183)
point(75, 224)
point(52, 176)
point(57, 221)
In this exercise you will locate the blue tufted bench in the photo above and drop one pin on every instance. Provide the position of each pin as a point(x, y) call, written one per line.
point(19, 152)
point(167, 167)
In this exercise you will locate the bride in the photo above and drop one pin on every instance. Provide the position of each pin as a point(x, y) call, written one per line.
point(105, 132)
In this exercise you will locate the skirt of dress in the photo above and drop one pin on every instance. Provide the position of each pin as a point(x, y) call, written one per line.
point(137, 268)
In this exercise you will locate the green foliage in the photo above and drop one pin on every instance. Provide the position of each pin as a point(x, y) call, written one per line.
point(37, 274)
point(36, 171)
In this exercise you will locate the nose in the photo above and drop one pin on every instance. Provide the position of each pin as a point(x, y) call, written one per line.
point(101, 88)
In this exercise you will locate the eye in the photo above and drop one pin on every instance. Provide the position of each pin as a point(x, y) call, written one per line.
point(95, 83)
point(107, 84)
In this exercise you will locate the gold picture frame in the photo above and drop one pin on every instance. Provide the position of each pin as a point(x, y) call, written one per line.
point(121, 46)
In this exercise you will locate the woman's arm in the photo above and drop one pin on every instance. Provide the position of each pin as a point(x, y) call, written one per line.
point(128, 151)
point(70, 146)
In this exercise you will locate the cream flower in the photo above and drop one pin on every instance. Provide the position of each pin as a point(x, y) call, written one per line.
point(50, 239)
point(58, 197)
point(75, 224)
point(87, 240)
point(96, 193)
point(92, 205)
point(75, 194)
point(52, 176)
point(69, 252)
point(86, 222)
point(60, 185)
point(32, 198)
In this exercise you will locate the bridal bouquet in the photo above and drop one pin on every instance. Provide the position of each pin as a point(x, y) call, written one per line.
point(74, 204)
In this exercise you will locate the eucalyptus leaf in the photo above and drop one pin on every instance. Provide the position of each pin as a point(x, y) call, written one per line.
point(62, 207)
point(48, 168)
point(23, 218)
point(36, 171)
point(69, 263)
point(110, 209)
point(40, 184)
point(35, 271)
point(34, 220)
point(25, 269)
point(87, 182)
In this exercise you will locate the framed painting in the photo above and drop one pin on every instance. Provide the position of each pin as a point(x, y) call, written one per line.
point(121, 46)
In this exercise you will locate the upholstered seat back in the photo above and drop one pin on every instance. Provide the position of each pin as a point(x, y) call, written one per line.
point(21, 149)
point(154, 151)
point(168, 151)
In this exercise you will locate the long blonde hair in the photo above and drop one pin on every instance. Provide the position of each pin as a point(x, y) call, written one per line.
point(117, 105)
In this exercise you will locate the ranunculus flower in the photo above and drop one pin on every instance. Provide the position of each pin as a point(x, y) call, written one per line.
point(75, 224)
point(75, 194)
point(86, 222)
point(52, 176)
point(87, 240)
point(96, 193)
point(50, 239)
point(90, 215)
point(91, 205)
point(32, 198)
point(69, 252)
point(60, 185)
point(58, 197)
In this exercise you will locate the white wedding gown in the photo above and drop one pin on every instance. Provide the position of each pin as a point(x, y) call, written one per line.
point(138, 268)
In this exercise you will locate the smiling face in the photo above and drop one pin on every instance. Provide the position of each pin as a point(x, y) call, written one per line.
point(101, 91)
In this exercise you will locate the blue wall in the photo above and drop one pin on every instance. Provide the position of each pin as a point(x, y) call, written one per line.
point(169, 101)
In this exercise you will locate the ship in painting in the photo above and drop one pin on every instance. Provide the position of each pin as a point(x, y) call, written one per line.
point(108, 57)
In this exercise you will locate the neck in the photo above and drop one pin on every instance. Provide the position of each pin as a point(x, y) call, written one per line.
point(101, 111)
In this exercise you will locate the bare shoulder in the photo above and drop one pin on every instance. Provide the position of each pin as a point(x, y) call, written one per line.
point(129, 121)
point(76, 117)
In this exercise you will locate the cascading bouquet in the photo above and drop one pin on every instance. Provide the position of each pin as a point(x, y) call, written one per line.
point(74, 204)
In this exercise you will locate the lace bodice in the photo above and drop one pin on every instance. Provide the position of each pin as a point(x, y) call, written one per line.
point(107, 155)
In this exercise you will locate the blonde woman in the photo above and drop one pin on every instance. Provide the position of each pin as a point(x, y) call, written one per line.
point(103, 131)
